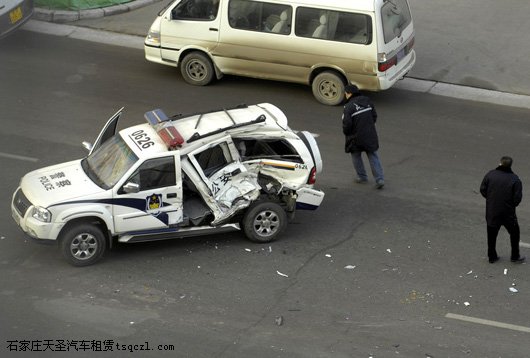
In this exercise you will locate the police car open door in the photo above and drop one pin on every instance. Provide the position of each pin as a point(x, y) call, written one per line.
point(150, 200)
point(227, 179)
point(107, 132)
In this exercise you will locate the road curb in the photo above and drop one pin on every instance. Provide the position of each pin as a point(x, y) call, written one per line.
point(464, 92)
point(64, 16)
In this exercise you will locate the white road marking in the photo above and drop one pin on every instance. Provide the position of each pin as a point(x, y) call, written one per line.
point(18, 157)
point(524, 244)
point(488, 322)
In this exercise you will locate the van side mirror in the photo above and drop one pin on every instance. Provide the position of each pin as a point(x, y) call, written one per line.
point(131, 187)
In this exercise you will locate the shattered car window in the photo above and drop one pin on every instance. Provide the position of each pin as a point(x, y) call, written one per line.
point(213, 159)
point(267, 148)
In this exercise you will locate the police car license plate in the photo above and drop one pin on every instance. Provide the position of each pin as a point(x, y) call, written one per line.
point(15, 15)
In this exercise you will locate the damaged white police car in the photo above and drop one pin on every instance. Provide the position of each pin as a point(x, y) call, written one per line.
point(234, 169)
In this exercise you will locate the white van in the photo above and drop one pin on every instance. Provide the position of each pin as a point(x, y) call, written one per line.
point(324, 43)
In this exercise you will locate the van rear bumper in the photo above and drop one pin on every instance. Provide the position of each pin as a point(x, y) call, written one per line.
point(387, 82)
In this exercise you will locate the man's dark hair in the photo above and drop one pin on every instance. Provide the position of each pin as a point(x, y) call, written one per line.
point(506, 162)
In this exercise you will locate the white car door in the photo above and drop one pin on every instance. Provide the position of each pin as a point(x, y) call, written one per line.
point(229, 183)
point(191, 23)
point(151, 198)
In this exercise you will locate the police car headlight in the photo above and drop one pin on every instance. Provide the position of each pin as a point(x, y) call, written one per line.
point(41, 214)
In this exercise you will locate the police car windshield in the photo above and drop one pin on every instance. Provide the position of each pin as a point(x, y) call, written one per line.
point(106, 165)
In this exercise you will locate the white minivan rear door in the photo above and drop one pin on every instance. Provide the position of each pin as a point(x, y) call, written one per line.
point(394, 39)
point(189, 23)
point(150, 199)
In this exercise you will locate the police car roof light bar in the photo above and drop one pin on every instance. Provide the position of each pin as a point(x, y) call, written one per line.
point(162, 124)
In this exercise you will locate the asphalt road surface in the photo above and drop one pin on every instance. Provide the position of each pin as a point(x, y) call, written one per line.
point(400, 272)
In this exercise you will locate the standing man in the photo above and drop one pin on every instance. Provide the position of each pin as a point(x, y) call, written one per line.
point(358, 125)
point(503, 191)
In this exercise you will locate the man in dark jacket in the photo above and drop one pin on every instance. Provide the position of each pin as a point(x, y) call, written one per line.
point(503, 191)
point(358, 125)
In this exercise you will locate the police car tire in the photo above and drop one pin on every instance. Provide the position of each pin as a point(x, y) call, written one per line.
point(328, 88)
point(197, 69)
point(264, 221)
point(83, 245)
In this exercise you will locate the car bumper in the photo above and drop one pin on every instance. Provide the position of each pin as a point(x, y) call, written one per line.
point(16, 17)
point(152, 54)
point(309, 199)
point(32, 227)
point(387, 82)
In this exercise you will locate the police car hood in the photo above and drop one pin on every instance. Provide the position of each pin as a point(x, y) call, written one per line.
point(58, 183)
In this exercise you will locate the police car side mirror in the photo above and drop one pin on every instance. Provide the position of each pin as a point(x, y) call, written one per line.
point(131, 187)
point(87, 146)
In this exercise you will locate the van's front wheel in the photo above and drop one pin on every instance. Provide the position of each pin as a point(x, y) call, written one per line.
point(197, 69)
point(328, 88)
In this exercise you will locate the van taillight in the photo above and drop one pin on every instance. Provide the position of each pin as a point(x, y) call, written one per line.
point(383, 66)
point(384, 63)
point(312, 176)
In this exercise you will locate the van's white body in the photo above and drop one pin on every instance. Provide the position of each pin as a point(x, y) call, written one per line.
point(363, 42)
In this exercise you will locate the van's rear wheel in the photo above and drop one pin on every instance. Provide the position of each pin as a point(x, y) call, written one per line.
point(264, 221)
point(83, 245)
point(328, 88)
point(197, 69)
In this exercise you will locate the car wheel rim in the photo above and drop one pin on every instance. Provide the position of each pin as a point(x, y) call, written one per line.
point(328, 89)
point(83, 246)
point(196, 70)
point(266, 223)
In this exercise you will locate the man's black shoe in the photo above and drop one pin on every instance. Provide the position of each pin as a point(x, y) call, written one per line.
point(494, 260)
point(519, 260)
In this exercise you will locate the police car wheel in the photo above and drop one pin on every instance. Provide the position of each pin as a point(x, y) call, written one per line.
point(264, 221)
point(197, 69)
point(328, 88)
point(83, 245)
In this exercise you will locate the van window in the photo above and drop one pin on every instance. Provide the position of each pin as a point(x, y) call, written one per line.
point(260, 16)
point(196, 10)
point(396, 17)
point(333, 25)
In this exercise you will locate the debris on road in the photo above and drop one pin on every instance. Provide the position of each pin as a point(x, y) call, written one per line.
point(279, 320)
point(281, 274)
